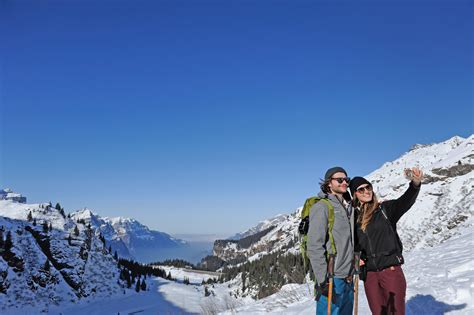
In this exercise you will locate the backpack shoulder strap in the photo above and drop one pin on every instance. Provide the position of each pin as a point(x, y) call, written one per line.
point(330, 224)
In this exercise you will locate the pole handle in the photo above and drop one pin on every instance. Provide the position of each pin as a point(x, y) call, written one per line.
point(356, 263)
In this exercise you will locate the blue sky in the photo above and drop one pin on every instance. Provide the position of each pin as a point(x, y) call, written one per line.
point(207, 117)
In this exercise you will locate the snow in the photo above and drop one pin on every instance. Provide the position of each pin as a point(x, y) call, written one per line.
point(162, 297)
point(195, 277)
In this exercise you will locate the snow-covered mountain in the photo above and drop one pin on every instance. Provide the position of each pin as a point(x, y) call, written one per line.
point(269, 236)
point(128, 237)
point(261, 226)
point(445, 203)
point(47, 259)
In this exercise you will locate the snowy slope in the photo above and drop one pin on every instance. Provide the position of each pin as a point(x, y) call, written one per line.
point(163, 297)
point(53, 267)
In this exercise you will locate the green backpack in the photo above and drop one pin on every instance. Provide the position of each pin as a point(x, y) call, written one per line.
point(304, 226)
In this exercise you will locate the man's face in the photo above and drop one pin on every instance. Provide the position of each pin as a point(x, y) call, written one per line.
point(338, 183)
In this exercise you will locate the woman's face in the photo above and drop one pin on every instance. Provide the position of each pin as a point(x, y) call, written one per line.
point(364, 193)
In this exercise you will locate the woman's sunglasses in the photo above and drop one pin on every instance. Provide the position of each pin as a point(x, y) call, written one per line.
point(363, 189)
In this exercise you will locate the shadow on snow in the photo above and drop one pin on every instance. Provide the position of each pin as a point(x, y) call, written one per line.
point(427, 304)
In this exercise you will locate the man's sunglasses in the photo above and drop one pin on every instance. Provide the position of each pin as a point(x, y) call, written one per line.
point(342, 179)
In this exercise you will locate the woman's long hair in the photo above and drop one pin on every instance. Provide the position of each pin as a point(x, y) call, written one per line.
point(366, 211)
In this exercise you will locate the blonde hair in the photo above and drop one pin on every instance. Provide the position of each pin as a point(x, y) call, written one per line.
point(366, 211)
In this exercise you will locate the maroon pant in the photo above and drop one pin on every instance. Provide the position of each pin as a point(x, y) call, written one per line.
point(385, 291)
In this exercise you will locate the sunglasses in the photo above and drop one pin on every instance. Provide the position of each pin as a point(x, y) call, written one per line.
point(342, 179)
point(363, 189)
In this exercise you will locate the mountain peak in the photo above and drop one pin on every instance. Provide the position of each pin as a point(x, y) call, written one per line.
point(453, 142)
point(85, 212)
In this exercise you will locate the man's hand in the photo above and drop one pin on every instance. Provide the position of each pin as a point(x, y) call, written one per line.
point(323, 289)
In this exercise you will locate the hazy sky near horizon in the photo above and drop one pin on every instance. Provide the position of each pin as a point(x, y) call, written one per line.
point(209, 116)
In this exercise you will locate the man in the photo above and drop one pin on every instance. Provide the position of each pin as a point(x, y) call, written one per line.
point(334, 189)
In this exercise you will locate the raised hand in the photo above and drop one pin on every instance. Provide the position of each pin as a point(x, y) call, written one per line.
point(415, 175)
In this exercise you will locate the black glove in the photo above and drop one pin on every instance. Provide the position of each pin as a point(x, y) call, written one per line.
point(323, 289)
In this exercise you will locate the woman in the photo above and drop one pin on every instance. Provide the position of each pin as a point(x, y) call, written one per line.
point(377, 240)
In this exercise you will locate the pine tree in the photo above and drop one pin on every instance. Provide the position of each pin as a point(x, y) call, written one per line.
point(76, 231)
point(29, 217)
point(137, 287)
point(46, 266)
point(129, 281)
point(69, 240)
point(143, 287)
point(45, 227)
point(50, 227)
point(34, 222)
point(110, 248)
point(115, 255)
point(58, 206)
point(8, 242)
point(102, 239)
point(2, 242)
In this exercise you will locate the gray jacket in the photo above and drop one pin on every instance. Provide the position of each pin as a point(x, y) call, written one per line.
point(318, 240)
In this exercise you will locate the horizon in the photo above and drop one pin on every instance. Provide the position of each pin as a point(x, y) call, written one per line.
point(207, 118)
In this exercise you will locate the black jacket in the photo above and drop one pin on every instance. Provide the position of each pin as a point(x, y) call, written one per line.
point(380, 245)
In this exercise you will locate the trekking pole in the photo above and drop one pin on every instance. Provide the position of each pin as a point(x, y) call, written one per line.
point(356, 281)
point(331, 279)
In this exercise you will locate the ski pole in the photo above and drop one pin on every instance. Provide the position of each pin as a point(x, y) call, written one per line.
point(356, 281)
point(330, 276)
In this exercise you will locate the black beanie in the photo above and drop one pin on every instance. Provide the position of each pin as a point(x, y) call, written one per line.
point(356, 182)
point(333, 171)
